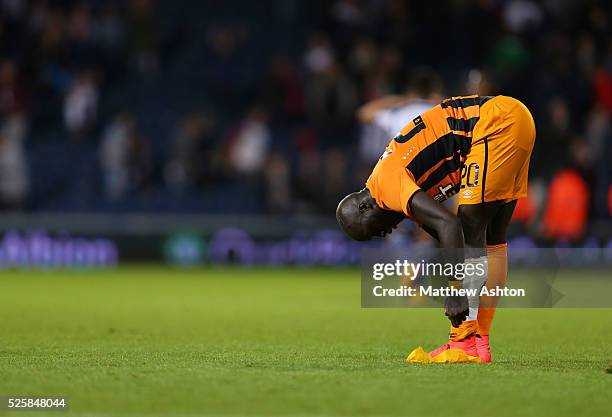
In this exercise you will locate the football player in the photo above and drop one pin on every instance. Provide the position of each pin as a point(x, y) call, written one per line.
point(478, 147)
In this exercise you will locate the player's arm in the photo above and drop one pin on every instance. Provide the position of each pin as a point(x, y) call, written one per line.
point(438, 221)
point(367, 112)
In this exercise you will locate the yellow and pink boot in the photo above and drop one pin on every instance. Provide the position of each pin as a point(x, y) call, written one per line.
point(467, 339)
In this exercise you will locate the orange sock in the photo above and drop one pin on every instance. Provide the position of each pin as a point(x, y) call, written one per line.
point(498, 271)
point(467, 328)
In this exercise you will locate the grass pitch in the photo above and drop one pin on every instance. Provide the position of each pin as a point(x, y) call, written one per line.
point(153, 341)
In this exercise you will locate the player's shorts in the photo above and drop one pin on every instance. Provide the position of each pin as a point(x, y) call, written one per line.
point(496, 169)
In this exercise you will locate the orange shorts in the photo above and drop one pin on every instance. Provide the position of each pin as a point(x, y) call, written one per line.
point(496, 169)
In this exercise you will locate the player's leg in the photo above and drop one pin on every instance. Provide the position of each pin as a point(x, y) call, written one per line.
point(483, 224)
point(475, 214)
point(495, 175)
point(498, 258)
point(474, 219)
point(497, 272)
point(495, 172)
point(509, 152)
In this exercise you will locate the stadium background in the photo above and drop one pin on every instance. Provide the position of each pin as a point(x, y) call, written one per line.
point(216, 131)
point(203, 133)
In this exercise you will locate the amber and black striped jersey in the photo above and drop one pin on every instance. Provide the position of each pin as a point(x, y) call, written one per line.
point(427, 154)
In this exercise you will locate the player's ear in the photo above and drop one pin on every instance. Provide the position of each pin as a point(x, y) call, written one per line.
point(363, 206)
point(366, 201)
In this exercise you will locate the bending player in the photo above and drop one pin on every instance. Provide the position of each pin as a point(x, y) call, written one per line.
point(476, 146)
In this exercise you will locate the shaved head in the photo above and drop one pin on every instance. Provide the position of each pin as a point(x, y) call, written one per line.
point(360, 217)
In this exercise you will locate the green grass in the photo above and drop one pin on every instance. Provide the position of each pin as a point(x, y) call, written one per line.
point(152, 341)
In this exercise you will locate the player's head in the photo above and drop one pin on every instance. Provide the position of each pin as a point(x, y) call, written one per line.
point(361, 219)
point(424, 83)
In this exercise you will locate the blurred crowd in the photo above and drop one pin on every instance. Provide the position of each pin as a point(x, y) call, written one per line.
point(253, 106)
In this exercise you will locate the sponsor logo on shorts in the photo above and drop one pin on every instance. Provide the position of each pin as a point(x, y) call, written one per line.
point(467, 193)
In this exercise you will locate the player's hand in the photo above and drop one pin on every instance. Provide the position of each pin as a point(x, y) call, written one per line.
point(456, 308)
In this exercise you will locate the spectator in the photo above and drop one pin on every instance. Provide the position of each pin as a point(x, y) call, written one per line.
point(282, 90)
point(522, 15)
point(81, 104)
point(124, 157)
point(277, 184)
point(81, 46)
point(109, 30)
point(334, 172)
point(13, 102)
point(307, 181)
point(567, 208)
point(554, 138)
point(14, 177)
point(610, 201)
point(331, 99)
point(196, 159)
point(248, 147)
point(319, 56)
point(143, 37)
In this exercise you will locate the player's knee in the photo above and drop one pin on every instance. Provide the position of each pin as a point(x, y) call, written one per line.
point(496, 237)
point(497, 229)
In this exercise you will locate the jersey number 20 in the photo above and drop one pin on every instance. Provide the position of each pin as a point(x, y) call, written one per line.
point(470, 174)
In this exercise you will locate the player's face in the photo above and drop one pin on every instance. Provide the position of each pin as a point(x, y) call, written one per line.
point(362, 219)
point(380, 222)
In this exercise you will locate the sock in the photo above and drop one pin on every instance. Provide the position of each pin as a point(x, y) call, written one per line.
point(466, 329)
point(498, 271)
point(475, 278)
